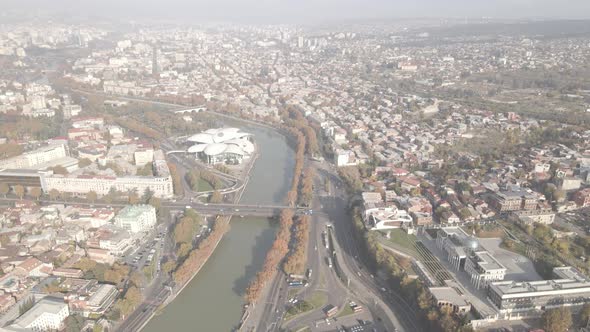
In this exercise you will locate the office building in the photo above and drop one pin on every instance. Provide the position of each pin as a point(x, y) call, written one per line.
point(136, 218)
point(531, 298)
point(34, 158)
point(46, 315)
point(465, 254)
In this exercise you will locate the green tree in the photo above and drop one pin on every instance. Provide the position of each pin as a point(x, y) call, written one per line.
point(183, 249)
point(168, 267)
point(73, 323)
point(585, 314)
point(19, 191)
point(136, 278)
point(557, 320)
point(92, 196)
point(155, 202)
point(147, 194)
point(147, 170)
point(4, 189)
point(59, 170)
point(543, 233)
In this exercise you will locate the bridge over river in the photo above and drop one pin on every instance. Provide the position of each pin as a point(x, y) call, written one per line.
point(239, 209)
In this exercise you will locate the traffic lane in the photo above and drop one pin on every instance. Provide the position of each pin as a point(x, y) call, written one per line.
point(274, 299)
point(343, 230)
point(367, 280)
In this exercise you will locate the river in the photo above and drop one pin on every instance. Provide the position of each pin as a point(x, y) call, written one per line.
point(214, 299)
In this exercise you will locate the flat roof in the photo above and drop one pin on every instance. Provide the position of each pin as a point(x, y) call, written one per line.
point(569, 272)
point(19, 172)
point(513, 289)
point(448, 294)
point(45, 305)
point(486, 261)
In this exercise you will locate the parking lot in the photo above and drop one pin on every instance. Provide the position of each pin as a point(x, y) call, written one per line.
point(147, 249)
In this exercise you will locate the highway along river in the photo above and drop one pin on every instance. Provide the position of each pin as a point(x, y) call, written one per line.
point(213, 300)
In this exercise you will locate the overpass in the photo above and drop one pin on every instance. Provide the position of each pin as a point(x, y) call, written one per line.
point(238, 209)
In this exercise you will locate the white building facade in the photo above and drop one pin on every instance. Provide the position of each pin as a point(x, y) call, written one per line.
point(136, 218)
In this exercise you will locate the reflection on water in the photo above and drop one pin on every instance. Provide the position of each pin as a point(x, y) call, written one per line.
point(213, 300)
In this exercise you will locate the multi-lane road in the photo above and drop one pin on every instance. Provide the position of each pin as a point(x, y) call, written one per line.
point(390, 310)
point(388, 304)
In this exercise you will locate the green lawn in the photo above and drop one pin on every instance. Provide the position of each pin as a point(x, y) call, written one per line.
point(402, 240)
point(315, 301)
point(318, 299)
point(347, 310)
point(292, 292)
point(204, 185)
point(303, 329)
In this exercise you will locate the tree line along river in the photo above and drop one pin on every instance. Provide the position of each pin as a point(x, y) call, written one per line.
point(214, 299)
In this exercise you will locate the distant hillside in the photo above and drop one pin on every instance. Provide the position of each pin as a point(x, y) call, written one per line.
point(539, 29)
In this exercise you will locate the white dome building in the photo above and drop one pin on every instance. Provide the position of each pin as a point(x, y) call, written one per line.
point(223, 145)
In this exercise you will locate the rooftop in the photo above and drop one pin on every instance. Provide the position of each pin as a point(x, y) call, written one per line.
point(45, 305)
point(512, 289)
point(486, 261)
point(134, 211)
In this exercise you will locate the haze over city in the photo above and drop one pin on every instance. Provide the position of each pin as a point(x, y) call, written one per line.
point(301, 166)
point(310, 11)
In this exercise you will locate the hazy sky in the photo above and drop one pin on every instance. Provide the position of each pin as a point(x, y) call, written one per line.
point(312, 10)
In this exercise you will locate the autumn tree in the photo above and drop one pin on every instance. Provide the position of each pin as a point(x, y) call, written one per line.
point(291, 197)
point(585, 314)
point(19, 191)
point(295, 262)
point(306, 187)
point(216, 197)
point(59, 170)
point(136, 279)
point(4, 189)
point(84, 162)
point(35, 192)
point(133, 198)
point(279, 249)
point(557, 320)
point(183, 249)
point(92, 196)
point(176, 180)
point(155, 202)
point(53, 194)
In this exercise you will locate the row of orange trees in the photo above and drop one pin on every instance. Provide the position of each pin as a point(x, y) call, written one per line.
point(280, 248)
point(291, 240)
point(295, 262)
